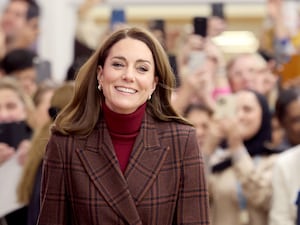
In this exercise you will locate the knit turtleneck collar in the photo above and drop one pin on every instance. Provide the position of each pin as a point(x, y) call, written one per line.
point(124, 124)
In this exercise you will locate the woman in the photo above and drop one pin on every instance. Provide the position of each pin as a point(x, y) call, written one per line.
point(15, 108)
point(30, 182)
point(200, 116)
point(119, 153)
point(240, 173)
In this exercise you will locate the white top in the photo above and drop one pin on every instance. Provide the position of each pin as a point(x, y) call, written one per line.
point(286, 185)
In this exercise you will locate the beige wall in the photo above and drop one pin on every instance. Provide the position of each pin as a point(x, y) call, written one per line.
point(241, 17)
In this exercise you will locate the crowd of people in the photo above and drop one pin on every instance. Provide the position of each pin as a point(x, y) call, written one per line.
point(148, 126)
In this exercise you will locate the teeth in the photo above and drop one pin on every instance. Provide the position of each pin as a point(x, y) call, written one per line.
point(126, 90)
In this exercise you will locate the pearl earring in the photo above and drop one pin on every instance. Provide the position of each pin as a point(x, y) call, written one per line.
point(149, 97)
point(99, 87)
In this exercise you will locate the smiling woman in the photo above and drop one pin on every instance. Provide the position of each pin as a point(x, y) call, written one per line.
point(119, 153)
point(127, 78)
point(241, 163)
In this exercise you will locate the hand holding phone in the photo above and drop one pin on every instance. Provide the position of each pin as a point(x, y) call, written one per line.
point(225, 106)
point(196, 60)
point(200, 26)
point(117, 18)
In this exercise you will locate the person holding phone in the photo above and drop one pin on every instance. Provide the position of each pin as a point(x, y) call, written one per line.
point(217, 22)
point(202, 74)
point(201, 68)
point(239, 161)
point(119, 153)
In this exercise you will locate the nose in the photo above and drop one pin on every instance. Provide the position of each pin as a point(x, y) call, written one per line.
point(239, 114)
point(128, 74)
point(5, 116)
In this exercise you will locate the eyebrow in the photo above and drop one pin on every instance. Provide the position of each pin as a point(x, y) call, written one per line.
point(124, 59)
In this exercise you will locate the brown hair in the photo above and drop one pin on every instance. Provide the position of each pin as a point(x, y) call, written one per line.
point(82, 114)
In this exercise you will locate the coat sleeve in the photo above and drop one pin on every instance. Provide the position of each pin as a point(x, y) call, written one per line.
point(53, 209)
point(255, 178)
point(280, 212)
point(192, 205)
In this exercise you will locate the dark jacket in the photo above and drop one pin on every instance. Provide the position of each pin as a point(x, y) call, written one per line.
point(163, 184)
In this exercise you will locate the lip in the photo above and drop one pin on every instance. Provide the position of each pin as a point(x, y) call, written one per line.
point(125, 90)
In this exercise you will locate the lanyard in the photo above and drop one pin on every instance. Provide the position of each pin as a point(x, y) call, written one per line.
point(242, 201)
point(298, 209)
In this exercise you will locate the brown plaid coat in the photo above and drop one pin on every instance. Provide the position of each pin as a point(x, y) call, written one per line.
point(163, 184)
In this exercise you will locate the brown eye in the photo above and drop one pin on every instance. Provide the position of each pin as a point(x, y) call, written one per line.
point(143, 69)
point(117, 64)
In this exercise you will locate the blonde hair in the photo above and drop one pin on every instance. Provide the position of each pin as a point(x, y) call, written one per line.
point(259, 61)
point(60, 98)
point(12, 84)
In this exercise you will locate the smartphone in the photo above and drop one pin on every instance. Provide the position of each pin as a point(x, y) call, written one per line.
point(118, 16)
point(157, 24)
point(225, 106)
point(13, 133)
point(196, 60)
point(43, 69)
point(157, 27)
point(200, 26)
point(217, 9)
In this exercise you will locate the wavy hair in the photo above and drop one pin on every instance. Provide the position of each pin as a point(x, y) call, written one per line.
point(81, 115)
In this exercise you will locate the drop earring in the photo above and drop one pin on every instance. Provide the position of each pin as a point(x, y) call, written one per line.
point(149, 98)
point(99, 87)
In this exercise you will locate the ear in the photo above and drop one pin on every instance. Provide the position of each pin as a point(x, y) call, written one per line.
point(155, 82)
point(99, 73)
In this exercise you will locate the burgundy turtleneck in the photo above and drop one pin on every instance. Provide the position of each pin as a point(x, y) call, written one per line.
point(123, 129)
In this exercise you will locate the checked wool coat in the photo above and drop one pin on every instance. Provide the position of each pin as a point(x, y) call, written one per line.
point(163, 184)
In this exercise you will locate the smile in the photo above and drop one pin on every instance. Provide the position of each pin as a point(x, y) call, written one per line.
point(126, 90)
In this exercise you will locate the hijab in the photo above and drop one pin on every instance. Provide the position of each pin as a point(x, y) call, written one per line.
point(256, 145)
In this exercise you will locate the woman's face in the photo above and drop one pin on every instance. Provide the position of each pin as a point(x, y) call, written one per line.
point(27, 79)
point(12, 108)
point(127, 78)
point(242, 73)
point(200, 119)
point(249, 114)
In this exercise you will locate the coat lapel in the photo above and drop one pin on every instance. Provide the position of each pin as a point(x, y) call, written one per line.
point(101, 164)
point(146, 160)
point(124, 192)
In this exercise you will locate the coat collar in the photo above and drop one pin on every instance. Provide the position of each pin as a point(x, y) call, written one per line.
point(123, 192)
